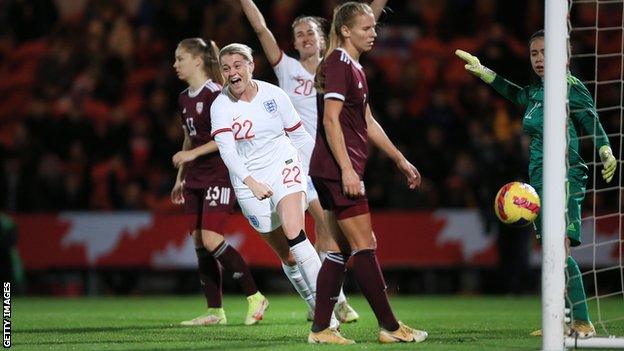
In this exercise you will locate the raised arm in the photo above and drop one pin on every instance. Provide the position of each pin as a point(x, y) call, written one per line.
point(378, 136)
point(269, 44)
point(378, 6)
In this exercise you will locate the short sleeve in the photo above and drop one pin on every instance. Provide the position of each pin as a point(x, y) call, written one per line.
point(336, 77)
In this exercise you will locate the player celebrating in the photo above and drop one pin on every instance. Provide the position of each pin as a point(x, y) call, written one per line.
point(296, 77)
point(202, 183)
point(337, 170)
point(582, 113)
point(249, 121)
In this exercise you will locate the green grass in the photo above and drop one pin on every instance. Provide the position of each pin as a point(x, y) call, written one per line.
point(151, 323)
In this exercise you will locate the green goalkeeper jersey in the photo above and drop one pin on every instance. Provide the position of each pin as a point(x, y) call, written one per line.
point(582, 115)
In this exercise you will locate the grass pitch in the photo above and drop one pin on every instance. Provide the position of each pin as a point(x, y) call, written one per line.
point(152, 323)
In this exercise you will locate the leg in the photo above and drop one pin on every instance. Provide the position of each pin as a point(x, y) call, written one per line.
point(330, 277)
point(277, 241)
point(227, 255)
point(291, 212)
point(359, 233)
point(209, 272)
point(575, 291)
point(325, 243)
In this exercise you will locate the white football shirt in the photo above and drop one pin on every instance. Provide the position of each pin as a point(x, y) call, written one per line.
point(298, 83)
point(258, 129)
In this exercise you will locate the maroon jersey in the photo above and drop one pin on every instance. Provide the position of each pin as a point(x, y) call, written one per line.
point(207, 170)
point(344, 80)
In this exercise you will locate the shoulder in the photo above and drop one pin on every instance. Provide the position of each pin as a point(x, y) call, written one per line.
point(285, 61)
point(270, 89)
point(575, 84)
point(183, 95)
point(577, 91)
point(338, 57)
point(213, 87)
point(220, 102)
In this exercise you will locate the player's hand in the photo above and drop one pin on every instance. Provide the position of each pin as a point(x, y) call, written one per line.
point(182, 157)
point(351, 183)
point(475, 67)
point(410, 172)
point(260, 190)
point(177, 193)
point(609, 163)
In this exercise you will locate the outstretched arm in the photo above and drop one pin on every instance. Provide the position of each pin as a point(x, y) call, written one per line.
point(504, 87)
point(269, 44)
point(378, 136)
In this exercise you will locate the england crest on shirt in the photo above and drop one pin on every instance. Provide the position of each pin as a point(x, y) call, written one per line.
point(199, 107)
point(270, 106)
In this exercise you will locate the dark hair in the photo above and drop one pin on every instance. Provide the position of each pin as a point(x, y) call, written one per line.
point(209, 53)
point(536, 35)
point(344, 15)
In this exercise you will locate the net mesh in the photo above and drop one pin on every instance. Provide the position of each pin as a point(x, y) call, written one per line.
point(596, 52)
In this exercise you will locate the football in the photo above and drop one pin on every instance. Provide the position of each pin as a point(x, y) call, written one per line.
point(517, 204)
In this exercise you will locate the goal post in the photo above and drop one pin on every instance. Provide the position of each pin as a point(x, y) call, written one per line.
point(555, 166)
point(600, 21)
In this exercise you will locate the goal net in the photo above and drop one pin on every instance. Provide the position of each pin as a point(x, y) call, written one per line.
point(596, 57)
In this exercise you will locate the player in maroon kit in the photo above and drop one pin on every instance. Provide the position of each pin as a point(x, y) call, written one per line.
point(203, 184)
point(337, 167)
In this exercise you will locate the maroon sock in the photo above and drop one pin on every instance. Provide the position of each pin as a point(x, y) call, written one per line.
point(328, 286)
point(370, 279)
point(210, 277)
point(234, 263)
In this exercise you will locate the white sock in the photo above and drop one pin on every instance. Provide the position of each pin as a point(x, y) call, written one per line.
point(308, 262)
point(296, 279)
point(341, 297)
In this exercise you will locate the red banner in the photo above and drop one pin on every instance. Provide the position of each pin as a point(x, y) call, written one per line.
point(141, 239)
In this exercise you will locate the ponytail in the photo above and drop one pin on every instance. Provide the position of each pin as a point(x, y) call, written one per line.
point(209, 53)
point(344, 15)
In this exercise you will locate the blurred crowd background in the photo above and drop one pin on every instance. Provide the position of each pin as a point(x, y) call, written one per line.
point(88, 96)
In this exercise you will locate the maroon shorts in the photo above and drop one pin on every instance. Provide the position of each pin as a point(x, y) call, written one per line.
point(208, 208)
point(333, 199)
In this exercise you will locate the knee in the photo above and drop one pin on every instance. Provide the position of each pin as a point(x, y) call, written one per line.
point(288, 259)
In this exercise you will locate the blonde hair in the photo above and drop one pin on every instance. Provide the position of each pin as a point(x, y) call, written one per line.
point(344, 15)
point(231, 49)
point(209, 53)
point(236, 48)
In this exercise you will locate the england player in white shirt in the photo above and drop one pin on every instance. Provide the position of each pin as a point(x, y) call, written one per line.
point(296, 77)
point(268, 168)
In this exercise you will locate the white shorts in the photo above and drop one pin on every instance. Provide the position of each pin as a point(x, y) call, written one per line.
point(312, 194)
point(284, 178)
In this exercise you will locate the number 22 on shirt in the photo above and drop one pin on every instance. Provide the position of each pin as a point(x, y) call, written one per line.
point(243, 130)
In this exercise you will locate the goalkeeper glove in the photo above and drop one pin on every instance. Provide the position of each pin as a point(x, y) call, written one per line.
point(475, 67)
point(609, 163)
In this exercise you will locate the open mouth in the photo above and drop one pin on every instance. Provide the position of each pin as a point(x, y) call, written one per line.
point(235, 81)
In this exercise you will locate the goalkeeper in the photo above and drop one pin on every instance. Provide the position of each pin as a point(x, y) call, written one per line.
point(582, 115)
